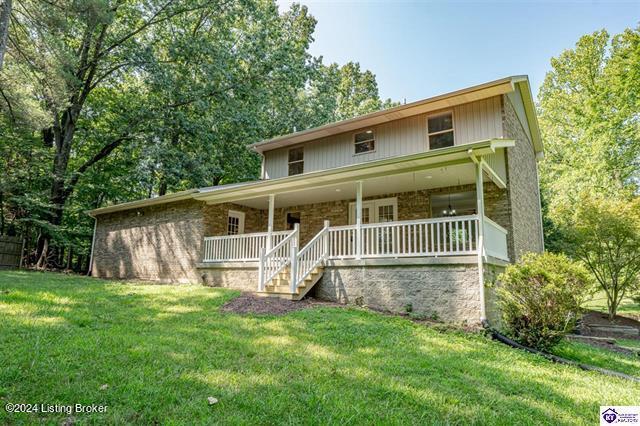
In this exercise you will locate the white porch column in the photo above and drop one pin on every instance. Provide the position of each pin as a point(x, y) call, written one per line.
point(480, 242)
point(272, 203)
point(359, 219)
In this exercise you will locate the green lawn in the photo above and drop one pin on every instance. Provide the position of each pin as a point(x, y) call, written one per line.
point(587, 354)
point(162, 350)
point(627, 307)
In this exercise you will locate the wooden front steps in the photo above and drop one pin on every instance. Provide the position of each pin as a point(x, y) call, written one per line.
point(280, 286)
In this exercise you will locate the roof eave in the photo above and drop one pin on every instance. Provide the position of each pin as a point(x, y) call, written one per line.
point(177, 196)
point(532, 117)
point(492, 88)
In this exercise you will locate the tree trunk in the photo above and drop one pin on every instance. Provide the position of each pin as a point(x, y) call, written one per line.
point(69, 257)
point(5, 18)
point(42, 260)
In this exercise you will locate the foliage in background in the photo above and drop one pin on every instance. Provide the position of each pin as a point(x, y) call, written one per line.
point(540, 298)
point(588, 112)
point(108, 101)
point(604, 233)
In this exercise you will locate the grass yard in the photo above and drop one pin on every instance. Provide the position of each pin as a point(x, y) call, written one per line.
point(604, 358)
point(627, 307)
point(162, 350)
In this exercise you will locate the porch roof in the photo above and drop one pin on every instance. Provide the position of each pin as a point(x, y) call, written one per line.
point(452, 156)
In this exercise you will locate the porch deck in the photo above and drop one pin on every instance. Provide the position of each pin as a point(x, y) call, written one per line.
point(280, 259)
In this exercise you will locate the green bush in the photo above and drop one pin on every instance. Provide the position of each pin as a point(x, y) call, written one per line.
point(540, 298)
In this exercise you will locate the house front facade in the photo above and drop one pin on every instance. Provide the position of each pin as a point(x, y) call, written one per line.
point(417, 207)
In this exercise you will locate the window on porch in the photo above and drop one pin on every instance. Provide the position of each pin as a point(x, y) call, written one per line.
point(453, 204)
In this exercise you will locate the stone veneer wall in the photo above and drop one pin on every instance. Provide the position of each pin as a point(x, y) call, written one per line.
point(526, 232)
point(242, 277)
point(448, 291)
point(157, 243)
point(491, 283)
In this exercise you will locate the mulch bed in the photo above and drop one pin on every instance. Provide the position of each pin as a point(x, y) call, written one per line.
point(248, 303)
point(599, 318)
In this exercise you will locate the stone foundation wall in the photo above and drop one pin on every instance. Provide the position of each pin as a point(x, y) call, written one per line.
point(446, 292)
point(491, 284)
point(157, 243)
point(244, 278)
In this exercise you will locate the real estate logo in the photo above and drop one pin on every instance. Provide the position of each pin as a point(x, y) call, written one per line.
point(629, 415)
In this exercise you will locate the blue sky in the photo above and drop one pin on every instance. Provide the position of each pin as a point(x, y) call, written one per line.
point(420, 49)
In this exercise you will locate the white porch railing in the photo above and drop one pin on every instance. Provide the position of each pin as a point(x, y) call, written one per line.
point(495, 240)
point(425, 237)
point(239, 248)
point(274, 261)
point(310, 257)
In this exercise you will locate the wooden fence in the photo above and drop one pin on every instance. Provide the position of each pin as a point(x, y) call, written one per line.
point(10, 251)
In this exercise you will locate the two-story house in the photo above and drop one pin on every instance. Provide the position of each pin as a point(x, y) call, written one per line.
point(415, 207)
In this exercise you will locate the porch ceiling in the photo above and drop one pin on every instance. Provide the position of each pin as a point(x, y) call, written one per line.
point(439, 177)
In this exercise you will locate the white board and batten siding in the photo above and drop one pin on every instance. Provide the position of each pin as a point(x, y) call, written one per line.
point(473, 122)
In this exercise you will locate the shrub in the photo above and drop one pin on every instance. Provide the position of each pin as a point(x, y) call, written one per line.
point(540, 298)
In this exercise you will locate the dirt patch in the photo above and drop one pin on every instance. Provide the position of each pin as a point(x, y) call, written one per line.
point(600, 318)
point(248, 303)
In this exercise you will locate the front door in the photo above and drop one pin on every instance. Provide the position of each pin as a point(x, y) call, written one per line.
point(374, 211)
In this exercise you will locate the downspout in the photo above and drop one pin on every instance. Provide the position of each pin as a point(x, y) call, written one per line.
point(480, 243)
point(539, 157)
point(93, 243)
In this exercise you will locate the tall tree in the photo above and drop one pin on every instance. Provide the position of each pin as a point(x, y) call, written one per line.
point(134, 99)
point(5, 17)
point(588, 106)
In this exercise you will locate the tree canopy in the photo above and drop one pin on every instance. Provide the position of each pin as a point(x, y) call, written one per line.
point(105, 101)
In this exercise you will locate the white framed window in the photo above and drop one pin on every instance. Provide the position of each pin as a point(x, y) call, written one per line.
point(296, 161)
point(374, 211)
point(364, 142)
point(235, 222)
point(440, 130)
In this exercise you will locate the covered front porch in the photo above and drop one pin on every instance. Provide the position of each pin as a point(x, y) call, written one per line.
point(433, 205)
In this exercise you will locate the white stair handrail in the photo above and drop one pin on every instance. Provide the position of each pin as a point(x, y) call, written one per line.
point(310, 257)
point(274, 261)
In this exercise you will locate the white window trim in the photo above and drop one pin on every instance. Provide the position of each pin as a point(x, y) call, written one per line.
point(452, 129)
point(374, 204)
point(373, 138)
point(297, 161)
point(240, 216)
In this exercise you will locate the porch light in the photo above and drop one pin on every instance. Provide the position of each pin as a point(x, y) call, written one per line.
point(450, 211)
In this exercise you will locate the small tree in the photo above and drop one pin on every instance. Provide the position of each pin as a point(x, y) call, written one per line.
point(540, 298)
point(604, 232)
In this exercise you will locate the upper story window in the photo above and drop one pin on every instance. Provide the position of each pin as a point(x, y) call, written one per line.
point(296, 161)
point(364, 142)
point(440, 129)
